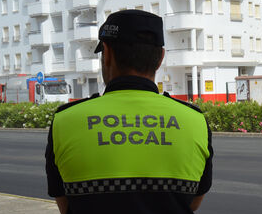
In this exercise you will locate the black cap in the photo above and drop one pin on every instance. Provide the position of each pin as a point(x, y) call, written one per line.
point(126, 26)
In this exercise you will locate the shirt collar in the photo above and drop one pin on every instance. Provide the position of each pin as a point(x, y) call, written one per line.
point(131, 83)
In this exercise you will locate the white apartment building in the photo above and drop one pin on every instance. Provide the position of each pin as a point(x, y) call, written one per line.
point(208, 43)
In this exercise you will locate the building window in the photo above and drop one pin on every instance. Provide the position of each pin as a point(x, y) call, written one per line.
point(251, 44)
point(220, 7)
point(57, 21)
point(221, 43)
point(28, 28)
point(17, 35)
point(250, 9)
point(236, 47)
point(29, 58)
point(139, 7)
point(6, 66)
point(5, 37)
point(155, 8)
point(107, 13)
point(257, 12)
point(235, 11)
point(18, 64)
point(258, 44)
point(58, 52)
point(208, 7)
point(15, 5)
point(4, 7)
point(209, 43)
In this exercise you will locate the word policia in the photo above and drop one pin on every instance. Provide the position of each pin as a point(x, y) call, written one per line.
point(120, 137)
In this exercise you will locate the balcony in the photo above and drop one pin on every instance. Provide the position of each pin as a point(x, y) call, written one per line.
point(5, 39)
point(236, 17)
point(6, 67)
point(86, 31)
point(84, 3)
point(56, 6)
point(87, 65)
point(183, 21)
point(237, 53)
point(37, 9)
point(36, 38)
point(17, 67)
point(183, 57)
point(58, 66)
point(36, 67)
point(16, 38)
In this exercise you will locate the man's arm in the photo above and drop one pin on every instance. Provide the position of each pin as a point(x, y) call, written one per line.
point(196, 202)
point(206, 179)
point(62, 204)
point(54, 180)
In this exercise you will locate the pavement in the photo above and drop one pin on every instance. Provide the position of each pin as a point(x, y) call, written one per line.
point(13, 204)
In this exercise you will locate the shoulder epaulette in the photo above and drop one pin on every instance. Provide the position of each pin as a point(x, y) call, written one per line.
point(68, 105)
point(190, 105)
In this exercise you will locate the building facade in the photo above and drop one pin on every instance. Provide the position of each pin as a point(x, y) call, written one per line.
point(208, 43)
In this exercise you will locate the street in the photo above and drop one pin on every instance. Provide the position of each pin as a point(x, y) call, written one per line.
point(236, 189)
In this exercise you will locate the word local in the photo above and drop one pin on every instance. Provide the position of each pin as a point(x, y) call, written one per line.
point(120, 137)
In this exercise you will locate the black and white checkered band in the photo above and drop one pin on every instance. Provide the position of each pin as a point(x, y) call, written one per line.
point(119, 185)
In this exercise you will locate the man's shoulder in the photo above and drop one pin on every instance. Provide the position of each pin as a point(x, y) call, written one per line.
point(71, 104)
point(190, 105)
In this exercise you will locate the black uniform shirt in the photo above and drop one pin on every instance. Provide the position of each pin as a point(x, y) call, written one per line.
point(125, 203)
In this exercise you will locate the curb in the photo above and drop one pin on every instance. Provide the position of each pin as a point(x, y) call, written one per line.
point(28, 198)
point(214, 134)
point(25, 129)
point(236, 134)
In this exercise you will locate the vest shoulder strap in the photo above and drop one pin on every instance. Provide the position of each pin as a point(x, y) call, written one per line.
point(68, 105)
point(190, 105)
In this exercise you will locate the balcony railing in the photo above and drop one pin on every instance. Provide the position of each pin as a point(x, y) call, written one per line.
point(184, 57)
point(18, 67)
point(16, 38)
point(86, 24)
point(34, 32)
point(5, 39)
point(237, 52)
point(236, 16)
point(86, 31)
point(182, 20)
point(38, 8)
point(84, 3)
point(6, 67)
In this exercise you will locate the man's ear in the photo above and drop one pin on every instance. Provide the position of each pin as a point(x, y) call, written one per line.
point(162, 57)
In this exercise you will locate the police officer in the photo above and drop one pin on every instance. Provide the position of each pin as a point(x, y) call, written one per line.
point(131, 150)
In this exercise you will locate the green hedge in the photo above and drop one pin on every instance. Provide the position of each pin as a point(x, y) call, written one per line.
point(231, 117)
point(27, 115)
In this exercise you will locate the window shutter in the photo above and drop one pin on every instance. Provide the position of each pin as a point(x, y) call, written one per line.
point(220, 6)
point(257, 11)
point(236, 43)
point(208, 6)
point(210, 43)
point(221, 43)
point(155, 8)
point(235, 7)
point(258, 44)
point(250, 8)
point(251, 44)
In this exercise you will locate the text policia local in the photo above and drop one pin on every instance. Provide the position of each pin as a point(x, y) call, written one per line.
point(134, 137)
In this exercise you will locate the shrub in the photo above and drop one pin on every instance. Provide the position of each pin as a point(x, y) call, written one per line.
point(231, 117)
point(27, 115)
point(237, 117)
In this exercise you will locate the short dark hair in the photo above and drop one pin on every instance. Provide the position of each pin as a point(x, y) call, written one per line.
point(143, 58)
